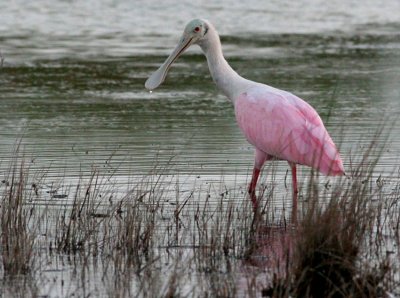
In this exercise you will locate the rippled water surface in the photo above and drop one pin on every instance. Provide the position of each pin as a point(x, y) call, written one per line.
point(72, 81)
point(72, 89)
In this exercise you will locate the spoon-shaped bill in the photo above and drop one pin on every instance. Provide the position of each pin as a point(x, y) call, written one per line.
point(159, 75)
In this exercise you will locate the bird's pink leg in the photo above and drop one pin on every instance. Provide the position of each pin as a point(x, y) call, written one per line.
point(260, 158)
point(295, 191)
point(252, 188)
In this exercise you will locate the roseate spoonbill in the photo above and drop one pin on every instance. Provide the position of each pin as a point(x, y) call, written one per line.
point(277, 123)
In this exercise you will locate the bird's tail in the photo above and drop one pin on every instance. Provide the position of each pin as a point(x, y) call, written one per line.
point(329, 161)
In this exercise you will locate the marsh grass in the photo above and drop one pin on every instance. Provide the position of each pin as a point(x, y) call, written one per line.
point(77, 224)
point(19, 286)
point(327, 253)
point(203, 242)
point(339, 249)
point(18, 232)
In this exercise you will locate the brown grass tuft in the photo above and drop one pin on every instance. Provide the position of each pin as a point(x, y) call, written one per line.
point(16, 237)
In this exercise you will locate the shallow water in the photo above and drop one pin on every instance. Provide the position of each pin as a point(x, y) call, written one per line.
point(72, 86)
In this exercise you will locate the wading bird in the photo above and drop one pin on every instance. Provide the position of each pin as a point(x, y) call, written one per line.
point(277, 123)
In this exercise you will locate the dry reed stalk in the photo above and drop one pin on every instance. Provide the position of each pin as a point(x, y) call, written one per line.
point(16, 236)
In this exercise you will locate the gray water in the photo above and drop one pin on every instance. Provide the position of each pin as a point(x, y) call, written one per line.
point(72, 81)
point(72, 92)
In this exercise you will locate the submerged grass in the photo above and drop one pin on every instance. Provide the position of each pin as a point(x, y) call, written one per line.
point(154, 240)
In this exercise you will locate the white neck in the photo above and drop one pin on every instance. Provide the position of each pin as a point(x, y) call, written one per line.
point(226, 79)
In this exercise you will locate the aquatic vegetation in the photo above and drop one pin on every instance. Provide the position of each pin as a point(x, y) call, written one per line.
point(17, 222)
point(343, 245)
point(155, 239)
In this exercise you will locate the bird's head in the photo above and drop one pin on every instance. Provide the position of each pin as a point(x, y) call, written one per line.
point(195, 31)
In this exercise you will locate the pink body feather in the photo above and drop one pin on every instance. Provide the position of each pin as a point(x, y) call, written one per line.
point(283, 126)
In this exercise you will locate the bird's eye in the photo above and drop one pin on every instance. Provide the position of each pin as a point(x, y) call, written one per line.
point(197, 29)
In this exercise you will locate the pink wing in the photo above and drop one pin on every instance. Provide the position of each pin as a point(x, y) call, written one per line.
point(284, 126)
